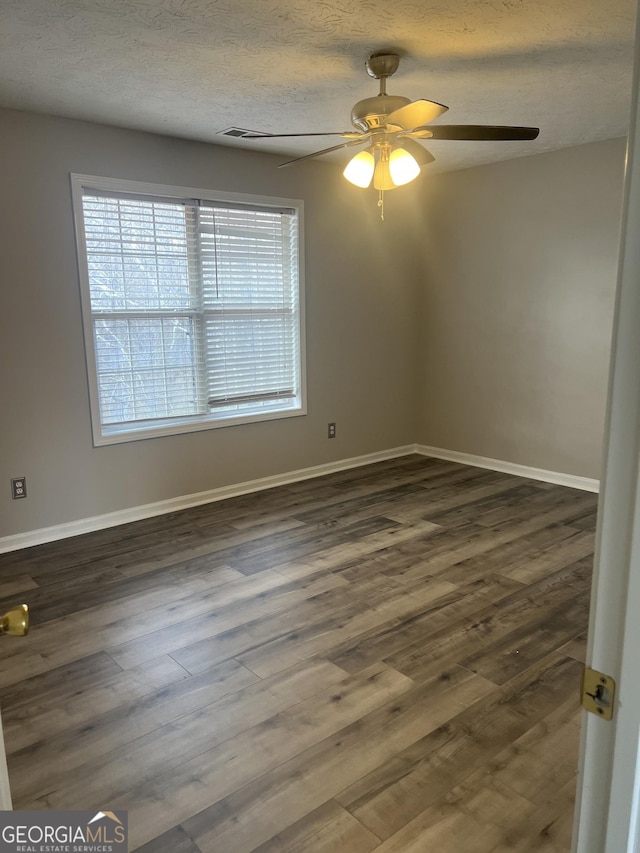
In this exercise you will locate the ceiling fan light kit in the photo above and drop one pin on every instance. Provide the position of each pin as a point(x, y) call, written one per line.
point(389, 126)
point(388, 169)
point(359, 170)
point(403, 167)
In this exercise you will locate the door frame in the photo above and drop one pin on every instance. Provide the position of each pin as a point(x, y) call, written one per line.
point(608, 797)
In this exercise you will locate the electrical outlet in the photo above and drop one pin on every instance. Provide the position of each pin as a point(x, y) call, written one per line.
point(18, 488)
point(331, 430)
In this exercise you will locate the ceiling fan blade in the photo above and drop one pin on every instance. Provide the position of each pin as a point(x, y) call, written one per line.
point(419, 133)
point(347, 134)
point(415, 114)
point(417, 151)
point(363, 138)
point(482, 132)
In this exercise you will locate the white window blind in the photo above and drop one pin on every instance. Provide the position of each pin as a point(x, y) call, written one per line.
point(194, 307)
point(249, 299)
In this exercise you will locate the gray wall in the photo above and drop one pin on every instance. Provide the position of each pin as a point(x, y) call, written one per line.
point(361, 327)
point(519, 278)
point(476, 318)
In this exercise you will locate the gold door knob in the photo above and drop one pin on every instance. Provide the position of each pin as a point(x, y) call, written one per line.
point(15, 621)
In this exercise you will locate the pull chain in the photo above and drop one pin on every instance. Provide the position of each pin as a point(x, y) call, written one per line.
point(381, 205)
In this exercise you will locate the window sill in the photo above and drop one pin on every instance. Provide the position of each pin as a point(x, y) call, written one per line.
point(104, 436)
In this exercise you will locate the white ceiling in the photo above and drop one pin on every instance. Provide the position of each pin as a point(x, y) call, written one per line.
point(192, 68)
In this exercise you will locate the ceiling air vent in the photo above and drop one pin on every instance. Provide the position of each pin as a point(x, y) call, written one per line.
point(236, 132)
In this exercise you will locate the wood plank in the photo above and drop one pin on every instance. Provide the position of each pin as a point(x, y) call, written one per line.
point(202, 740)
point(242, 624)
point(159, 631)
point(547, 830)
point(327, 828)
point(54, 720)
point(562, 554)
point(576, 648)
point(391, 638)
point(328, 559)
point(19, 584)
point(172, 723)
point(483, 539)
point(532, 640)
point(495, 559)
point(381, 659)
point(465, 821)
point(417, 777)
point(538, 764)
point(302, 784)
point(175, 840)
point(456, 641)
point(250, 562)
point(318, 638)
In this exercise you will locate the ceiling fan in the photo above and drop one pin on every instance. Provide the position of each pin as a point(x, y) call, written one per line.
point(389, 125)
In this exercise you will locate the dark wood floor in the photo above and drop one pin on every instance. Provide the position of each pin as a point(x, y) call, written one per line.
point(382, 659)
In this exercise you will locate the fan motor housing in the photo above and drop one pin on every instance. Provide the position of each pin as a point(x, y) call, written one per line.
point(371, 113)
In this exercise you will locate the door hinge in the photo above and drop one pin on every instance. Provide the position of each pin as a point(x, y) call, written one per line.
point(598, 693)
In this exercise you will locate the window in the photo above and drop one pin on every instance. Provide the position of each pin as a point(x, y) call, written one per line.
point(192, 307)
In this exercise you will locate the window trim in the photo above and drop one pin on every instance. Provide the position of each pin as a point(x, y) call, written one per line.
point(135, 431)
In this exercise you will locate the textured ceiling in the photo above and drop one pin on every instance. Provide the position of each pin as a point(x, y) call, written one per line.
point(192, 68)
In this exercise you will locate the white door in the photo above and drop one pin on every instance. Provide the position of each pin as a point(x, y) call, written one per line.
point(608, 802)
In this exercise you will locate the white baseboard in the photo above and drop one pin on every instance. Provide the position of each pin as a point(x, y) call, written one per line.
point(137, 513)
point(586, 484)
